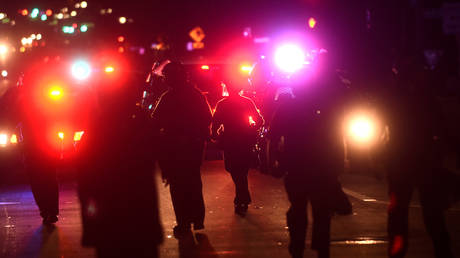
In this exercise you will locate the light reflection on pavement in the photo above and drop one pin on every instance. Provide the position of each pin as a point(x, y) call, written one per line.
point(262, 233)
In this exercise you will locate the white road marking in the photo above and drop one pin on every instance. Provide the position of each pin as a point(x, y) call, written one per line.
point(359, 242)
point(365, 198)
point(9, 203)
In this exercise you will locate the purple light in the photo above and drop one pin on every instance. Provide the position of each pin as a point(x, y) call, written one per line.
point(261, 40)
point(141, 51)
point(189, 46)
point(247, 33)
point(289, 58)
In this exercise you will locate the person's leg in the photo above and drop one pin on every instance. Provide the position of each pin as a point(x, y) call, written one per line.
point(321, 225)
point(180, 203)
point(242, 195)
point(296, 216)
point(433, 216)
point(237, 164)
point(400, 191)
point(196, 203)
point(44, 186)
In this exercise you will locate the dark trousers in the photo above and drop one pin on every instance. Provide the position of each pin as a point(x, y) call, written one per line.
point(186, 192)
point(400, 190)
point(299, 195)
point(237, 163)
point(44, 185)
point(242, 196)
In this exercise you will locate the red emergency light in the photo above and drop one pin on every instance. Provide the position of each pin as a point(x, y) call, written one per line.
point(109, 69)
point(56, 93)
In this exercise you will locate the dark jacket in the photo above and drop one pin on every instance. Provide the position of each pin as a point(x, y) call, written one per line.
point(116, 183)
point(240, 119)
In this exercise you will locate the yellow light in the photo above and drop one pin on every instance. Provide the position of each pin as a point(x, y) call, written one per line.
point(109, 69)
point(3, 139)
point(55, 93)
point(73, 13)
point(251, 121)
point(205, 67)
point(122, 20)
point(362, 129)
point(84, 4)
point(3, 49)
point(77, 136)
point(311, 23)
point(14, 139)
point(22, 49)
point(61, 135)
point(246, 68)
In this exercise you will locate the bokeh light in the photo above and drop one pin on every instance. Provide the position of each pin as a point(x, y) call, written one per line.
point(81, 70)
point(289, 58)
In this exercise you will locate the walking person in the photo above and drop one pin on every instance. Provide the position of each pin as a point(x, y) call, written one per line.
point(182, 117)
point(235, 124)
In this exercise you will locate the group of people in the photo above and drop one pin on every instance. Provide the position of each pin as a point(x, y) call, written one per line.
point(117, 192)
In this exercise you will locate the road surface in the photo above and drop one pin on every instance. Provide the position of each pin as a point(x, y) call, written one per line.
point(262, 233)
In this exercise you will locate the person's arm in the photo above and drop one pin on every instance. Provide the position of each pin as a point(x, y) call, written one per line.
point(159, 112)
point(207, 116)
point(255, 113)
point(275, 143)
point(216, 120)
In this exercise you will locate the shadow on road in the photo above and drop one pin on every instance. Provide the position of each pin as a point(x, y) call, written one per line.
point(197, 246)
point(45, 241)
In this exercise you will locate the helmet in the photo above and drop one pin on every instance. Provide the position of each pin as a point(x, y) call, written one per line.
point(175, 74)
point(261, 74)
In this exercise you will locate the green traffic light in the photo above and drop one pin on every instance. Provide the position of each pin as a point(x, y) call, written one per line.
point(34, 13)
point(68, 29)
point(84, 28)
point(44, 17)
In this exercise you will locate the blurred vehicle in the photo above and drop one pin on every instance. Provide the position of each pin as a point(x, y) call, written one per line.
point(49, 106)
point(10, 154)
point(269, 81)
point(10, 134)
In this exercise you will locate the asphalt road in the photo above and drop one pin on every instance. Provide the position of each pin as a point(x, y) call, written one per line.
point(262, 233)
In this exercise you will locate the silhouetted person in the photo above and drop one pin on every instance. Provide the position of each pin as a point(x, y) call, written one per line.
point(182, 116)
point(117, 190)
point(414, 159)
point(235, 124)
point(39, 140)
point(306, 131)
